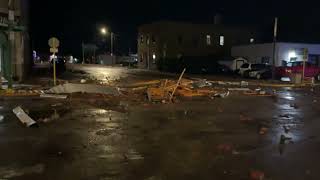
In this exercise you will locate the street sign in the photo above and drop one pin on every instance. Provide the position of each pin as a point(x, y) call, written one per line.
point(54, 50)
point(54, 42)
point(305, 54)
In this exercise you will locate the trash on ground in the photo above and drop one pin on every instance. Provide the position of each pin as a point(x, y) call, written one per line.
point(23, 117)
point(157, 94)
point(286, 129)
point(284, 139)
point(55, 96)
point(245, 118)
point(225, 148)
point(244, 83)
point(177, 85)
point(83, 81)
point(258, 93)
point(257, 175)
point(19, 93)
point(263, 131)
point(285, 116)
point(83, 88)
point(222, 95)
point(201, 84)
point(238, 89)
point(53, 117)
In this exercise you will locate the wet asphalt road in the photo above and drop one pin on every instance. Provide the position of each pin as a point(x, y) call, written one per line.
point(185, 140)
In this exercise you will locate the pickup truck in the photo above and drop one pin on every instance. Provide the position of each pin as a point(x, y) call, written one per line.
point(294, 68)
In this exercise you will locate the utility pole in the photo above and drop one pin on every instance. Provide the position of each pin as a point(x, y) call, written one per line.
point(275, 34)
point(82, 45)
point(11, 15)
point(111, 43)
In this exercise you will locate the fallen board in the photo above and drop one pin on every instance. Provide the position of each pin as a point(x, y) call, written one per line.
point(23, 117)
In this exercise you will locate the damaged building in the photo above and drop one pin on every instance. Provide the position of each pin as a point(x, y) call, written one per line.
point(14, 39)
point(161, 40)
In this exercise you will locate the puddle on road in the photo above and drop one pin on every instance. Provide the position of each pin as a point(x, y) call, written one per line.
point(287, 96)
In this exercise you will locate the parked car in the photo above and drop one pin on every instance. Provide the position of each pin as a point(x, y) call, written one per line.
point(234, 65)
point(245, 67)
point(260, 71)
point(297, 67)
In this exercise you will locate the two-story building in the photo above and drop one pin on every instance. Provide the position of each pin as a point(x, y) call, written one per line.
point(176, 39)
point(14, 39)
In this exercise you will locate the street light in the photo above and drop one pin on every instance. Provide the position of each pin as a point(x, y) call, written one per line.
point(104, 32)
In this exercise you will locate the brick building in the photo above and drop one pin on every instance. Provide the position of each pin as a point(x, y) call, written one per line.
point(176, 39)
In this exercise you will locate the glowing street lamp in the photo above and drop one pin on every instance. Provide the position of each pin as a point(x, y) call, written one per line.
point(103, 31)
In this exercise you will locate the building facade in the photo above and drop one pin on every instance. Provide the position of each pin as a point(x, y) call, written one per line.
point(284, 52)
point(14, 39)
point(175, 39)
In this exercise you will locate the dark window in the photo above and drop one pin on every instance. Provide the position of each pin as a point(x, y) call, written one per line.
point(141, 39)
point(148, 40)
point(195, 42)
point(258, 66)
point(245, 65)
point(153, 39)
point(180, 39)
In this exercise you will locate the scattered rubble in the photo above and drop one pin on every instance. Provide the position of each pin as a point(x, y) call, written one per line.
point(245, 118)
point(55, 96)
point(257, 175)
point(225, 148)
point(24, 118)
point(83, 88)
point(263, 130)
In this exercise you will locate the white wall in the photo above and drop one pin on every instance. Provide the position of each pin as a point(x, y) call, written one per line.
point(255, 52)
point(285, 48)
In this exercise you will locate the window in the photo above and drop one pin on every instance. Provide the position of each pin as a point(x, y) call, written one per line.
point(148, 40)
point(208, 40)
point(252, 40)
point(154, 58)
point(164, 53)
point(195, 42)
point(153, 39)
point(245, 66)
point(141, 39)
point(221, 40)
point(180, 39)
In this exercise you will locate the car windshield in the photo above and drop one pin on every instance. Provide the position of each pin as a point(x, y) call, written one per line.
point(258, 66)
point(245, 66)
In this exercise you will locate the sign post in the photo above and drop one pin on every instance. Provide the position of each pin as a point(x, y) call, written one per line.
point(54, 43)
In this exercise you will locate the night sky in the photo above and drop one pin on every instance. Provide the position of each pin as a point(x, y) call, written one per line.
point(74, 21)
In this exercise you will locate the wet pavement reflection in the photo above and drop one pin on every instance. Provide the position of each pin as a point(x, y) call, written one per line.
point(199, 139)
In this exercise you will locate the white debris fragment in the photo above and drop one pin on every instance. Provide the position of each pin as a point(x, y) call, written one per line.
point(23, 117)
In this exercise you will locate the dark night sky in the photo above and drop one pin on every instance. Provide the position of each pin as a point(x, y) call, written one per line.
point(74, 21)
